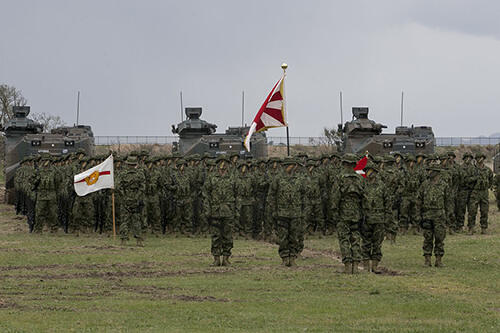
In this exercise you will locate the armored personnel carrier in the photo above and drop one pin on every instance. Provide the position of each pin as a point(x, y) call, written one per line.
point(363, 134)
point(197, 136)
point(24, 137)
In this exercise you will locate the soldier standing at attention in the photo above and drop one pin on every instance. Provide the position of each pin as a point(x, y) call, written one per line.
point(432, 203)
point(83, 207)
point(497, 189)
point(479, 195)
point(466, 184)
point(46, 201)
point(221, 209)
point(286, 199)
point(246, 200)
point(183, 200)
point(377, 206)
point(350, 211)
point(132, 188)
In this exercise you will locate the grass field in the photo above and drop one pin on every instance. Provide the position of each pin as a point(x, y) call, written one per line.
point(60, 283)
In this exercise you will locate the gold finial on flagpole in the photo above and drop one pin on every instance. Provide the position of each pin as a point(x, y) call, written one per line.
point(284, 66)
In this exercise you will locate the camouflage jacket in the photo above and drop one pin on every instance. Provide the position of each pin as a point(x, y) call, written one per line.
point(351, 194)
point(286, 196)
point(376, 201)
point(483, 178)
point(220, 196)
point(433, 199)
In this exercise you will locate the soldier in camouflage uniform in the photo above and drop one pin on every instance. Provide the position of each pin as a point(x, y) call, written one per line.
point(483, 181)
point(496, 186)
point(286, 199)
point(183, 200)
point(166, 188)
point(46, 203)
point(348, 200)
point(246, 199)
point(408, 201)
point(83, 207)
point(220, 207)
point(261, 186)
point(269, 225)
point(432, 205)
point(313, 213)
point(377, 208)
point(466, 184)
point(152, 197)
point(391, 178)
point(132, 188)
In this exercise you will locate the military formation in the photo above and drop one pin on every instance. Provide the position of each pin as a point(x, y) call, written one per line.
point(276, 200)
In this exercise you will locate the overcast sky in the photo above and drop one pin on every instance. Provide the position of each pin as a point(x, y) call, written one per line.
point(130, 60)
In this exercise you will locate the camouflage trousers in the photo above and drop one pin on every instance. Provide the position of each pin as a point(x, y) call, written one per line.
point(408, 212)
point(372, 236)
point(314, 219)
point(463, 198)
point(132, 220)
point(183, 217)
point(259, 214)
point(46, 215)
point(245, 223)
point(349, 240)
point(153, 214)
point(478, 199)
point(221, 230)
point(290, 232)
point(434, 231)
point(83, 215)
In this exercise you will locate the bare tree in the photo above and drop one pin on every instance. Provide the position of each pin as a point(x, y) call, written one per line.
point(331, 136)
point(9, 97)
point(48, 121)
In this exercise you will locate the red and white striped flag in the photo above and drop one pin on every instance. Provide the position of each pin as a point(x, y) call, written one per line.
point(272, 112)
point(360, 166)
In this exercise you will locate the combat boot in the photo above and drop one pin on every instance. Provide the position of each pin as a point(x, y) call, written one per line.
point(216, 262)
point(438, 262)
point(375, 267)
point(427, 261)
point(225, 261)
point(471, 231)
point(347, 268)
point(291, 262)
point(355, 269)
point(366, 266)
point(483, 231)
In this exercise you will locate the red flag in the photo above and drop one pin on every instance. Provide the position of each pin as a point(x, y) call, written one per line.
point(360, 166)
point(272, 112)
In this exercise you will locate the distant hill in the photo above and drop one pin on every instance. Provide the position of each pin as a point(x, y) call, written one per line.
point(495, 135)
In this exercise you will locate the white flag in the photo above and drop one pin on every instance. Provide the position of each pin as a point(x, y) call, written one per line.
point(97, 178)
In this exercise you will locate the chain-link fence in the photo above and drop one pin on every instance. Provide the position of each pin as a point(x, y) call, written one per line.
point(281, 140)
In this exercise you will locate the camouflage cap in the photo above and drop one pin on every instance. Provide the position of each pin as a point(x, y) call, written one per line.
point(389, 159)
point(451, 153)
point(131, 160)
point(371, 165)
point(480, 155)
point(466, 155)
point(420, 154)
point(290, 161)
point(410, 158)
point(349, 158)
point(144, 152)
point(45, 157)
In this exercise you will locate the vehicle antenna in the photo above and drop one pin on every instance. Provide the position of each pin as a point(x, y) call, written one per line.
point(341, 110)
point(242, 107)
point(78, 108)
point(402, 105)
point(182, 109)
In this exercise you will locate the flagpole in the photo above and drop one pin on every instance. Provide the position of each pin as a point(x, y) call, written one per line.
point(113, 203)
point(284, 66)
